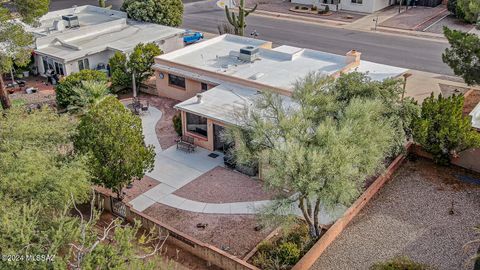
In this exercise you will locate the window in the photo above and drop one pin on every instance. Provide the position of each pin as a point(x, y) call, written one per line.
point(197, 124)
point(83, 64)
point(204, 87)
point(59, 69)
point(357, 1)
point(176, 81)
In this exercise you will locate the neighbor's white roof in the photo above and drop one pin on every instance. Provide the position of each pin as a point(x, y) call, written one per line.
point(98, 31)
point(475, 113)
point(279, 67)
point(226, 102)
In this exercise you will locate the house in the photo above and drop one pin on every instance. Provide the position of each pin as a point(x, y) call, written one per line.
point(364, 6)
point(475, 114)
point(86, 37)
point(215, 78)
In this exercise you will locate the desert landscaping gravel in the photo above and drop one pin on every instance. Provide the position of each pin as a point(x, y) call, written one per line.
point(412, 216)
point(221, 185)
point(234, 234)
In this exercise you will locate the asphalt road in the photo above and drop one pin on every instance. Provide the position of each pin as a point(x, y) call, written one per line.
point(393, 50)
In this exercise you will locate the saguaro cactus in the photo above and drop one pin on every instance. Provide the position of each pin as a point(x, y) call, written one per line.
point(238, 21)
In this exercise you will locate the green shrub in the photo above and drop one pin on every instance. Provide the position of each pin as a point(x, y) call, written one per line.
point(314, 8)
point(297, 7)
point(288, 253)
point(304, 8)
point(400, 263)
point(327, 9)
point(65, 93)
point(177, 124)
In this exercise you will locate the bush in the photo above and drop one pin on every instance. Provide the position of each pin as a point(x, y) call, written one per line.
point(288, 253)
point(65, 93)
point(297, 7)
point(304, 8)
point(400, 263)
point(177, 124)
point(314, 8)
point(327, 9)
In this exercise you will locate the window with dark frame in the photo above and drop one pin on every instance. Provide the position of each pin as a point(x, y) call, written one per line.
point(83, 64)
point(204, 87)
point(357, 1)
point(197, 125)
point(176, 81)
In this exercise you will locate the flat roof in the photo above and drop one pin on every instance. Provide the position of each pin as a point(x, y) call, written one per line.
point(225, 102)
point(99, 30)
point(279, 67)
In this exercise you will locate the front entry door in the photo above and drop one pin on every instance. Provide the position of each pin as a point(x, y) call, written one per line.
point(217, 137)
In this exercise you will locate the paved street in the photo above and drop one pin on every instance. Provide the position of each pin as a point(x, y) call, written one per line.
point(399, 51)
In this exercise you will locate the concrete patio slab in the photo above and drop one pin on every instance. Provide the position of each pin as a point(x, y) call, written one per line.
point(172, 200)
point(193, 206)
point(141, 202)
point(149, 121)
point(198, 159)
point(217, 208)
point(155, 193)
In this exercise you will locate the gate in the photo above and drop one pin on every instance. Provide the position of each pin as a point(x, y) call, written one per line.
point(119, 208)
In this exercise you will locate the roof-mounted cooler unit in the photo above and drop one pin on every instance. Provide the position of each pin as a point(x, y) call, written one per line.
point(248, 54)
point(71, 21)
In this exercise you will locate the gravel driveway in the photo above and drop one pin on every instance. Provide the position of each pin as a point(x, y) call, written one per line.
point(411, 217)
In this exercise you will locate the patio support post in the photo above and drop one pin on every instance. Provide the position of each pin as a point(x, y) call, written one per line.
point(134, 86)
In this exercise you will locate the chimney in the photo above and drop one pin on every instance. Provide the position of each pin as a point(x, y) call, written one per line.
point(353, 57)
point(199, 98)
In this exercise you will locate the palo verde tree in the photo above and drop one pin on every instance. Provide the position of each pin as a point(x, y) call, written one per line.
point(14, 40)
point(238, 21)
point(139, 61)
point(166, 12)
point(319, 146)
point(463, 56)
point(468, 10)
point(112, 138)
point(442, 129)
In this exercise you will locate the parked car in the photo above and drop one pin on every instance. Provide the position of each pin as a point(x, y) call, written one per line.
point(191, 37)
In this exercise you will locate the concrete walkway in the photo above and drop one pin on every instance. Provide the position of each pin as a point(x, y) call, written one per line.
point(174, 169)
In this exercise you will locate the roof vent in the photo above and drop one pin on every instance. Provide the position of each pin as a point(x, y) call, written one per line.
point(248, 54)
point(199, 98)
point(256, 76)
point(71, 21)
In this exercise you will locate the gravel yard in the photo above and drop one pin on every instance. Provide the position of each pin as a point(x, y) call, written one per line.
point(233, 233)
point(138, 187)
point(412, 216)
point(222, 185)
point(452, 23)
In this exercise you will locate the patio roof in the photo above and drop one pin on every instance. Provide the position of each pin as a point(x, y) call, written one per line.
point(225, 102)
point(475, 114)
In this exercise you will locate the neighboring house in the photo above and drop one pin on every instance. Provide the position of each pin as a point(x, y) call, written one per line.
point(86, 37)
point(216, 78)
point(364, 6)
point(475, 114)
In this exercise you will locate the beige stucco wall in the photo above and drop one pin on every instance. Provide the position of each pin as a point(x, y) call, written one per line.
point(201, 141)
point(192, 87)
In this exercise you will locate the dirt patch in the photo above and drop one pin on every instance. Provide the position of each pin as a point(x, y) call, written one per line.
point(471, 101)
point(44, 95)
point(233, 233)
point(138, 187)
point(412, 216)
point(221, 185)
point(165, 132)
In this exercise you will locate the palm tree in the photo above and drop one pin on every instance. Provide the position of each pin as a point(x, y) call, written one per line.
point(88, 95)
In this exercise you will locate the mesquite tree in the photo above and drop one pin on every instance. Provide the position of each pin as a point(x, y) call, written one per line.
point(238, 22)
point(317, 145)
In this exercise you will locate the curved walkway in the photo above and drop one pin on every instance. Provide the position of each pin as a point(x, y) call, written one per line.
point(174, 169)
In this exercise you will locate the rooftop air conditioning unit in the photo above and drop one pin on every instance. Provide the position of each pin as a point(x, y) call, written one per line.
point(71, 21)
point(248, 54)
